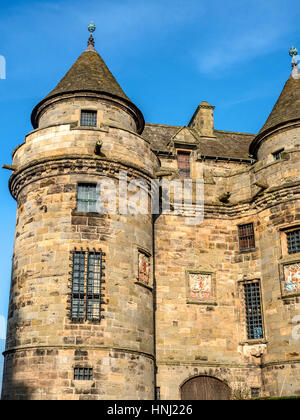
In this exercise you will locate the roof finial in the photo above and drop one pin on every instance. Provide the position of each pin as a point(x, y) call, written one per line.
point(91, 41)
point(295, 58)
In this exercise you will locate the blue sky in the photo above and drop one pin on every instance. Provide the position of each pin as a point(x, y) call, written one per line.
point(168, 55)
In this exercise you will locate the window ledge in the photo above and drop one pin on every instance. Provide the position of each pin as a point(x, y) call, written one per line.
point(291, 258)
point(86, 213)
point(246, 251)
point(201, 302)
point(254, 342)
point(146, 286)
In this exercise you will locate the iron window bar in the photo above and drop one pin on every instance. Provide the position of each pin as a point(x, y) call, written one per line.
point(87, 278)
point(83, 374)
point(253, 309)
point(293, 241)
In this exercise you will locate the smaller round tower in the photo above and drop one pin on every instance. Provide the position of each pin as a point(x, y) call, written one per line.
point(277, 148)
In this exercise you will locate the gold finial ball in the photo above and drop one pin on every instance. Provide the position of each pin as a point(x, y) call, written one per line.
point(92, 27)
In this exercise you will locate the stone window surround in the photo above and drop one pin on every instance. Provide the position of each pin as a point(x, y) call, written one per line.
point(137, 250)
point(86, 384)
point(294, 258)
point(277, 155)
point(89, 109)
point(78, 199)
point(243, 323)
point(213, 301)
point(187, 152)
point(286, 258)
point(283, 229)
point(246, 250)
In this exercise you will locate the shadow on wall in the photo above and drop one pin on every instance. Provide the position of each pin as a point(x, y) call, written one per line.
point(13, 364)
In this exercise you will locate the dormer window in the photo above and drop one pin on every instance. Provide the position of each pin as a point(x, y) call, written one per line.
point(184, 166)
point(278, 155)
point(88, 119)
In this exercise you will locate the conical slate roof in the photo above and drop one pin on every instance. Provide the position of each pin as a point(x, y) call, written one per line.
point(89, 73)
point(287, 108)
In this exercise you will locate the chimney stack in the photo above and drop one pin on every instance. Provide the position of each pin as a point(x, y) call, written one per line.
point(203, 120)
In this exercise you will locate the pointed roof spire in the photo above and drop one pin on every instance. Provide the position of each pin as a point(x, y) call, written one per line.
point(90, 74)
point(287, 107)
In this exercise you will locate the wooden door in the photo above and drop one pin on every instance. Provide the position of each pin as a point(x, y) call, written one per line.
point(205, 388)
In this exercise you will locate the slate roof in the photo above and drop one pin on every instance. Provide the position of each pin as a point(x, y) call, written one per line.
point(89, 73)
point(287, 108)
point(226, 144)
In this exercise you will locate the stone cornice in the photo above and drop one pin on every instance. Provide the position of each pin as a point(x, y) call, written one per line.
point(99, 166)
point(82, 348)
point(75, 164)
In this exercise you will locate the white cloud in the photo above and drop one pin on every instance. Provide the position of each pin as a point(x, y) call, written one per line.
point(237, 50)
point(243, 33)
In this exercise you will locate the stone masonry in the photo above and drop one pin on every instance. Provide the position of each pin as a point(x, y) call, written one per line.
point(172, 298)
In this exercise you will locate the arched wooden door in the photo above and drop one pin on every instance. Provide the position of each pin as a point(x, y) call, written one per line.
point(205, 388)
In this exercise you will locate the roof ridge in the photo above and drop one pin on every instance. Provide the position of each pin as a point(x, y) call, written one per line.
point(235, 132)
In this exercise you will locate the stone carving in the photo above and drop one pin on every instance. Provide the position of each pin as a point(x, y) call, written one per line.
point(292, 278)
point(144, 268)
point(200, 286)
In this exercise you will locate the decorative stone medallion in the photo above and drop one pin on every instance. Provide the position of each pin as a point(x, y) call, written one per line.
point(144, 268)
point(292, 278)
point(200, 287)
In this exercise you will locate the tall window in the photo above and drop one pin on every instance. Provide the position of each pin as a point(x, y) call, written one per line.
point(88, 118)
point(87, 198)
point(253, 310)
point(293, 241)
point(184, 166)
point(246, 236)
point(87, 276)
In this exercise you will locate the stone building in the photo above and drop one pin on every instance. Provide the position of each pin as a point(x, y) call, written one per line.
point(142, 306)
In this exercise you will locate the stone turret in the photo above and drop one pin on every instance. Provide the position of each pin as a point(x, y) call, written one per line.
point(79, 305)
point(282, 129)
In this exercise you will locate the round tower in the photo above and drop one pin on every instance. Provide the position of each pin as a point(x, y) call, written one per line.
point(277, 148)
point(80, 322)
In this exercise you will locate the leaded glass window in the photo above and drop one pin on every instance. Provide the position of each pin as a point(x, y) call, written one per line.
point(246, 236)
point(88, 119)
point(87, 198)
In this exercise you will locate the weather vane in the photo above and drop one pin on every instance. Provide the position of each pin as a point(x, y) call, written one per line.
point(91, 41)
point(293, 51)
point(295, 66)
